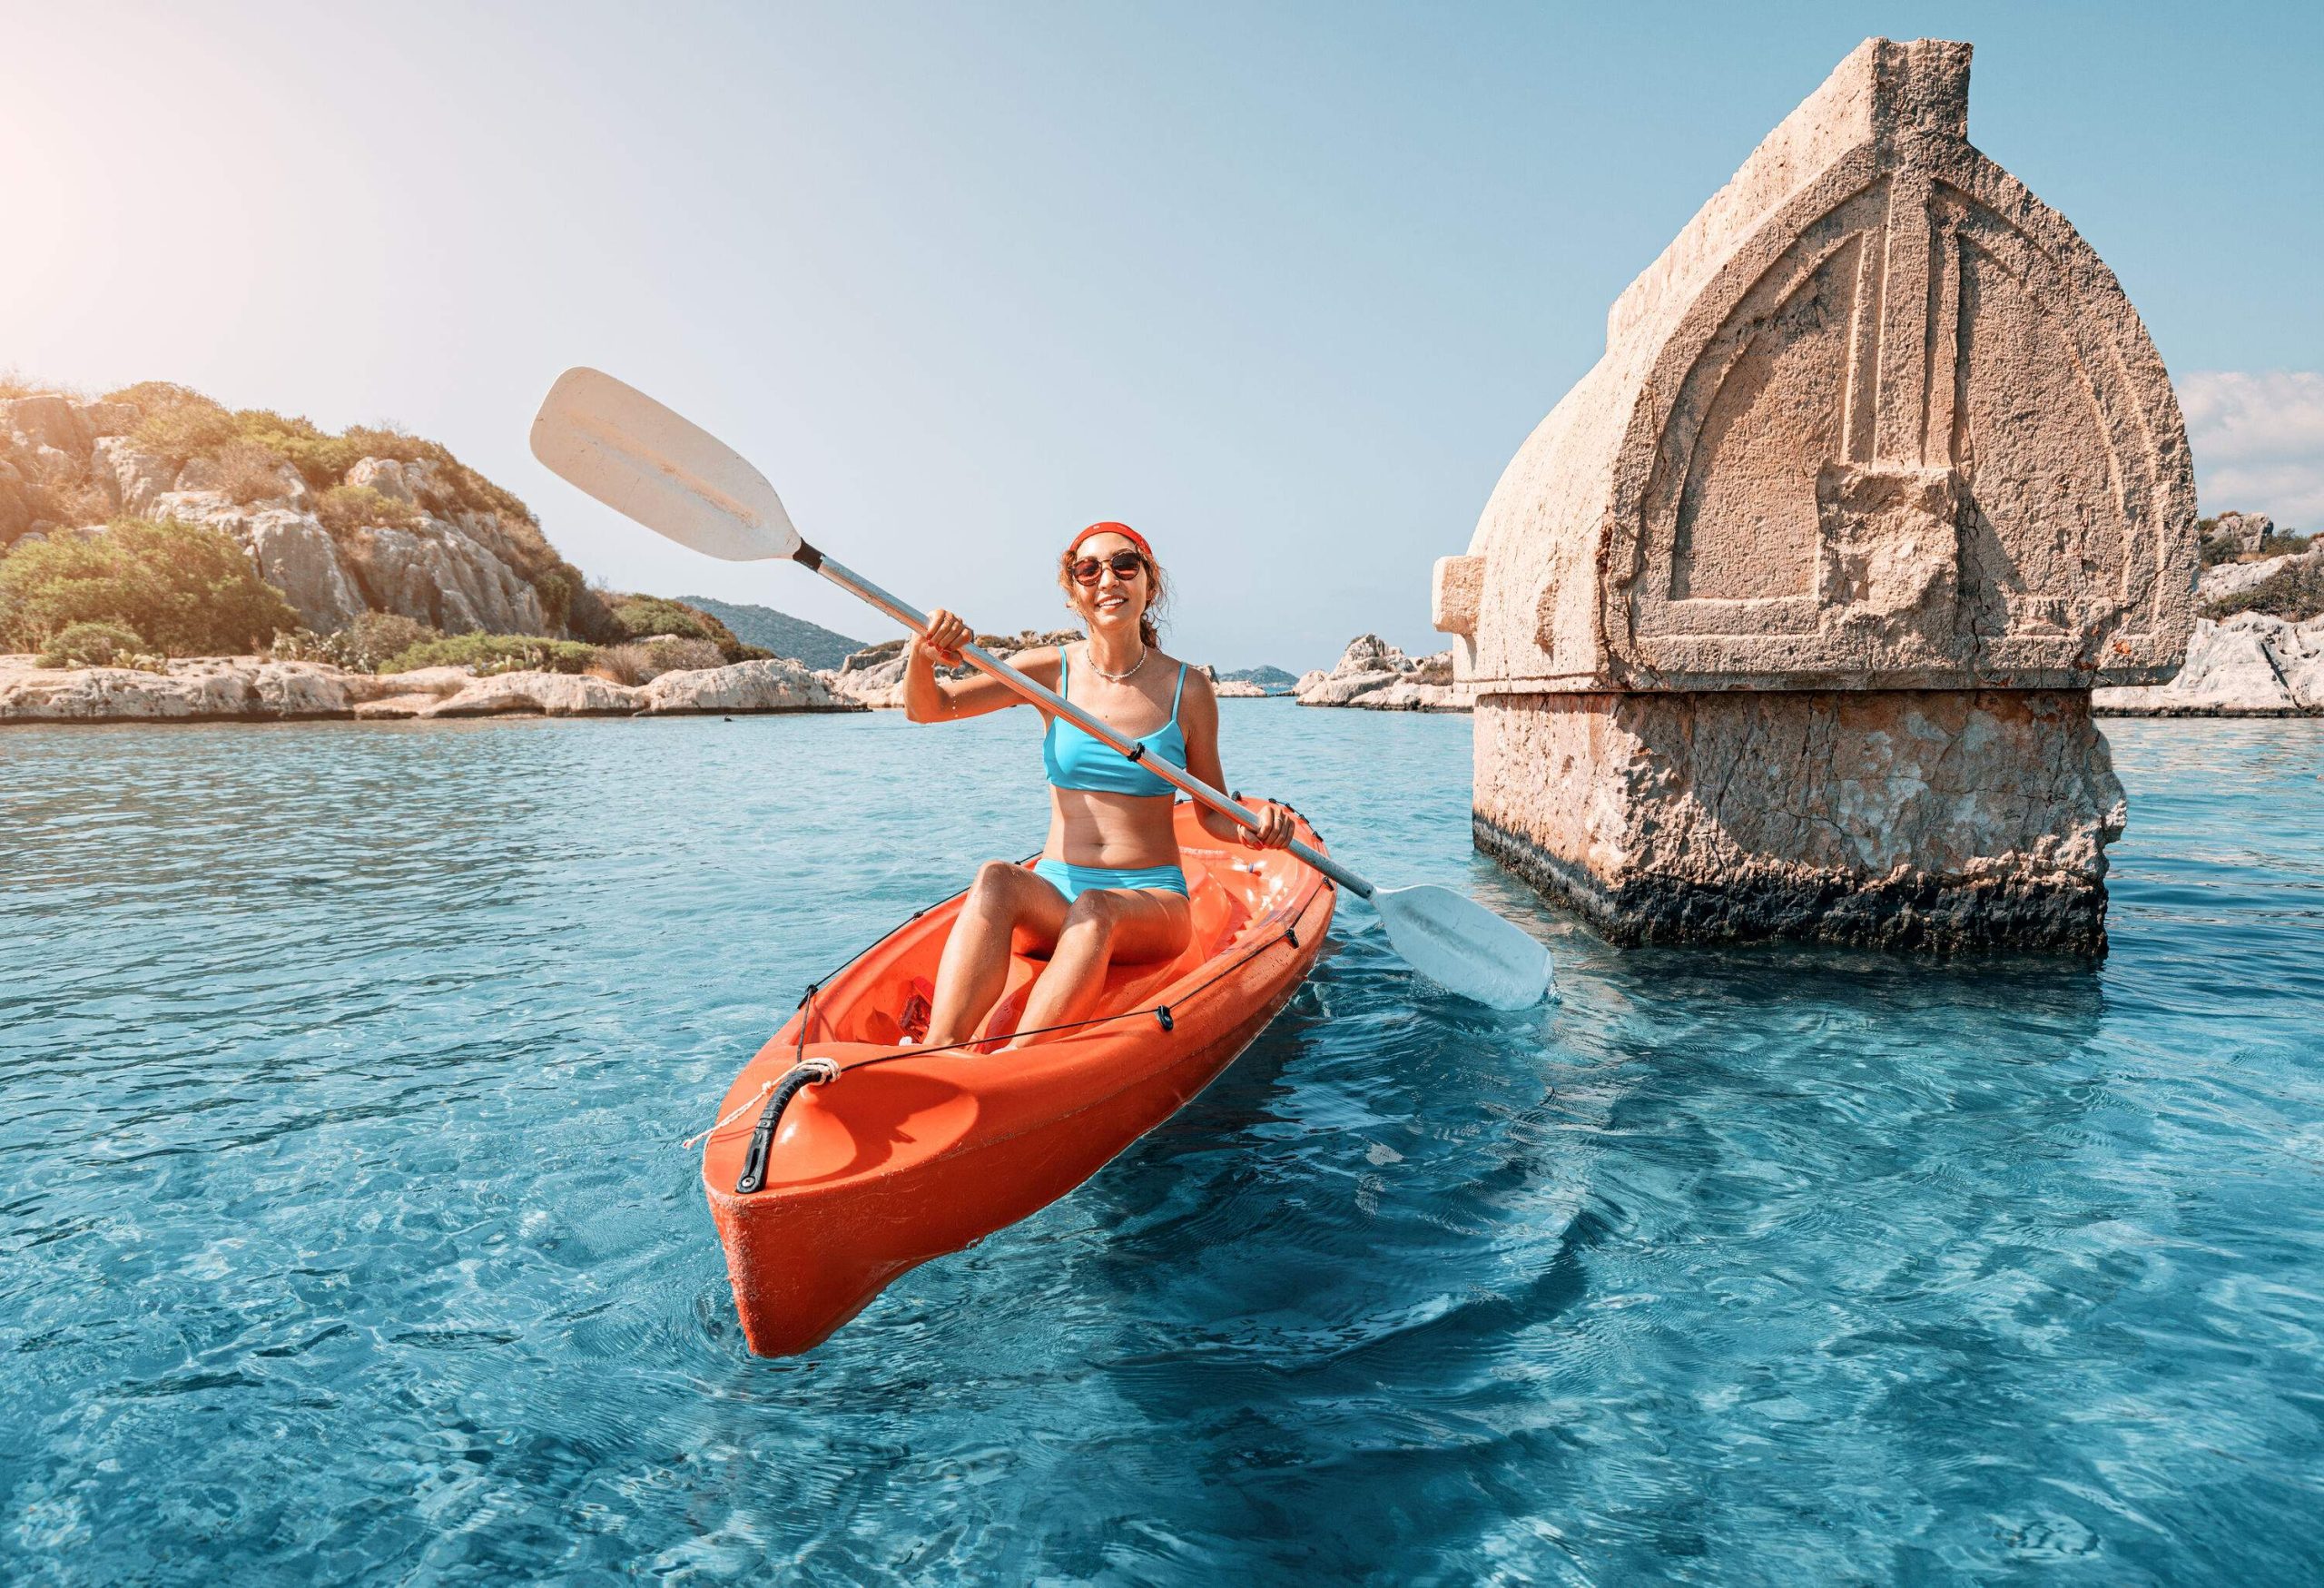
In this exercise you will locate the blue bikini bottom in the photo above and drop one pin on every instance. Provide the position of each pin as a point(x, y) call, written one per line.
point(1073, 880)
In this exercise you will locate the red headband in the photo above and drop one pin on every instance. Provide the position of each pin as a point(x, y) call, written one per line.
point(1110, 527)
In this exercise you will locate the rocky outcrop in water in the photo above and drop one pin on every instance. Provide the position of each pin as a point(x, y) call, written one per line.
point(258, 689)
point(874, 676)
point(2249, 665)
point(1375, 676)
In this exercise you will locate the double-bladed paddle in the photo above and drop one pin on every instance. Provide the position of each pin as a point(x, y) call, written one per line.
point(677, 479)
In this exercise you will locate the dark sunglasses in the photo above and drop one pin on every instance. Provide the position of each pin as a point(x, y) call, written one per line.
point(1089, 570)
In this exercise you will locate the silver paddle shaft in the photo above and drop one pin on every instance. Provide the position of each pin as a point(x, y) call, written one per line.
point(984, 661)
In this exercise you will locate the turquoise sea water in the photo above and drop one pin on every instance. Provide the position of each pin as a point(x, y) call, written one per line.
point(345, 1235)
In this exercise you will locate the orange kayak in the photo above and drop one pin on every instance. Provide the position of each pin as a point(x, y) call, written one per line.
point(908, 1155)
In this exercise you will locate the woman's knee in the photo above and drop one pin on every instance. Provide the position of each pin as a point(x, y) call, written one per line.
point(1090, 919)
point(998, 882)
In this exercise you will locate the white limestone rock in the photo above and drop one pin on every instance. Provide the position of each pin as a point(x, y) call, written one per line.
point(775, 684)
point(295, 554)
point(208, 475)
point(547, 694)
point(2228, 673)
point(1377, 677)
point(2230, 579)
point(443, 577)
point(108, 419)
point(16, 503)
point(385, 476)
point(45, 419)
point(133, 479)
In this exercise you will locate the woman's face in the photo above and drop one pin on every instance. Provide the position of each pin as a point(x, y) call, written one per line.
point(1114, 602)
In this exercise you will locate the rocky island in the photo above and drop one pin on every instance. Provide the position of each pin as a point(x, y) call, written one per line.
point(164, 558)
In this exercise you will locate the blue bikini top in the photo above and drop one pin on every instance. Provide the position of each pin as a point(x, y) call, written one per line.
point(1077, 760)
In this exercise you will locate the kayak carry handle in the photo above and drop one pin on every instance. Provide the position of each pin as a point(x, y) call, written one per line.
point(815, 1071)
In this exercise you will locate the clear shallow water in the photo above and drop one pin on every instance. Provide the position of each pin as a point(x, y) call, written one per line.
point(344, 1234)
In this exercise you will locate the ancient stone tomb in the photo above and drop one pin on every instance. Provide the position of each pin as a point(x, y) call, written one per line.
point(1785, 621)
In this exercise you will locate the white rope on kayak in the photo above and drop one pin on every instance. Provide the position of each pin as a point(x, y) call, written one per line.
point(691, 1142)
point(820, 1071)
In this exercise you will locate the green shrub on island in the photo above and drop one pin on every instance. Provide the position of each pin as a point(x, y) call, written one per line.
point(2294, 594)
point(187, 588)
point(248, 444)
point(646, 617)
point(365, 645)
point(642, 662)
point(91, 645)
point(495, 653)
point(345, 509)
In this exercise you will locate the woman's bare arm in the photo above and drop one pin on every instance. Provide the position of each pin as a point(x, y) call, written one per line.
point(931, 699)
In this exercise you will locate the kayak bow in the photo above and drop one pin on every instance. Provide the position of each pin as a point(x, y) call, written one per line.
point(875, 1156)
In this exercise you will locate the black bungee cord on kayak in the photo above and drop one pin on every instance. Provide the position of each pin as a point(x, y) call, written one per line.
point(820, 1071)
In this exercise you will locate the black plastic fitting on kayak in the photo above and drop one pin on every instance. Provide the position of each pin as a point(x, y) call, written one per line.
point(1291, 935)
point(753, 1175)
point(1162, 1013)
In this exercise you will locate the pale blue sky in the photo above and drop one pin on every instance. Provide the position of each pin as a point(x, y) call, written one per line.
point(1283, 286)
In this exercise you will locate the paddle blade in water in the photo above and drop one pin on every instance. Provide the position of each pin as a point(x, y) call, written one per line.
point(1464, 947)
point(662, 469)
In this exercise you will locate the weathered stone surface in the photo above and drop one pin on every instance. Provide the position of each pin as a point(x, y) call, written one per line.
point(1377, 677)
point(383, 475)
point(200, 506)
point(2230, 579)
point(208, 688)
point(108, 419)
point(1783, 622)
point(45, 419)
point(16, 503)
point(874, 676)
point(1876, 418)
point(134, 480)
point(441, 576)
point(209, 474)
point(547, 694)
point(2243, 531)
point(294, 553)
point(776, 684)
point(2250, 665)
point(1946, 821)
point(877, 686)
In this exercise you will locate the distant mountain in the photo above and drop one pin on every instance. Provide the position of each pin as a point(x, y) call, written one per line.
point(779, 632)
point(1271, 679)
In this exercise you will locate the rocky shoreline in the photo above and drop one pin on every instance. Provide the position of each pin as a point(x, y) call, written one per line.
point(1373, 675)
point(260, 689)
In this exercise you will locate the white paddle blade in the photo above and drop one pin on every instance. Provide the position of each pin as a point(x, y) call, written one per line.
point(660, 469)
point(1464, 947)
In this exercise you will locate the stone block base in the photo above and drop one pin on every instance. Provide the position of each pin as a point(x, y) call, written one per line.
point(1942, 821)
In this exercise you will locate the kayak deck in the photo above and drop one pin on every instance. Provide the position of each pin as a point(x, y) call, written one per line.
point(912, 1154)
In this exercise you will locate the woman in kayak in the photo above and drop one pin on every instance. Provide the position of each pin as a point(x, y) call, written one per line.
point(1109, 887)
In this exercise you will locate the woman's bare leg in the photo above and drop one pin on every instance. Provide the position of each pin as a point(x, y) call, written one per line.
point(1133, 926)
point(1004, 899)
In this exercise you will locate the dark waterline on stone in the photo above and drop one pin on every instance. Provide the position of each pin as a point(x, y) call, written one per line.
point(346, 1237)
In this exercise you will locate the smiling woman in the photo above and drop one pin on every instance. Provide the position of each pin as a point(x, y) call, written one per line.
point(1108, 888)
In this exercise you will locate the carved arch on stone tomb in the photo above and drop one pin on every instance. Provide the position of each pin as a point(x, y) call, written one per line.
point(1910, 435)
